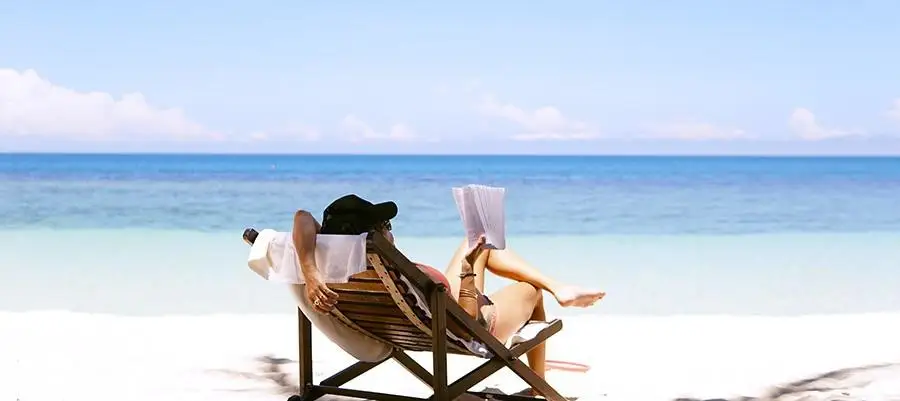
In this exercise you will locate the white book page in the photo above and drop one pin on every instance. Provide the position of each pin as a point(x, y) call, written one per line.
point(482, 211)
point(472, 223)
point(491, 210)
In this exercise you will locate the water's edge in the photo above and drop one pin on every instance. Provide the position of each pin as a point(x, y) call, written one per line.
point(153, 272)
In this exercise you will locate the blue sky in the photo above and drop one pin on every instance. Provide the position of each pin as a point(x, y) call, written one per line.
point(728, 77)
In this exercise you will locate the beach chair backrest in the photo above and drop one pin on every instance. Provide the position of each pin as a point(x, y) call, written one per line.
point(389, 303)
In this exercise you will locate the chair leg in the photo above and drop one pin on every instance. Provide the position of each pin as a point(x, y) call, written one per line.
point(536, 382)
point(304, 335)
point(353, 371)
point(488, 368)
point(439, 344)
point(464, 383)
point(413, 367)
point(306, 396)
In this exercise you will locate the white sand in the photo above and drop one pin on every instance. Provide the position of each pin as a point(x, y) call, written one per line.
point(63, 356)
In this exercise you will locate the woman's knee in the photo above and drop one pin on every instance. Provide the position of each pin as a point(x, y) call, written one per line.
point(531, 292)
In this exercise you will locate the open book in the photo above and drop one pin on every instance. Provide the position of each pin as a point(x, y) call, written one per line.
point(482, 211)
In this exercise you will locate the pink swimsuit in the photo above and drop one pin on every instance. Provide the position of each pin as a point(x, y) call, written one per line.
point(488, 315)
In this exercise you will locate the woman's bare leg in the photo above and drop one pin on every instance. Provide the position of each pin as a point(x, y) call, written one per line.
point(515, 305)
point(507, 264)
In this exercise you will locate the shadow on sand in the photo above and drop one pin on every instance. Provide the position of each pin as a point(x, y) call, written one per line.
point(837, 385)
point(831, 386)
point(270, 371)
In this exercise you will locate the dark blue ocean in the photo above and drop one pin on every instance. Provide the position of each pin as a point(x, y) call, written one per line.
point(546, 194)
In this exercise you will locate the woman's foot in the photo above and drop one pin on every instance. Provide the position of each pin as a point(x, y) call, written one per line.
point(573, 296)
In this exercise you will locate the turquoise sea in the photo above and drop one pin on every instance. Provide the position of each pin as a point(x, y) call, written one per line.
point(160, 234)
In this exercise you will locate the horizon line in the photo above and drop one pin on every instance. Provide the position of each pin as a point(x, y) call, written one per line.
point(695, 155)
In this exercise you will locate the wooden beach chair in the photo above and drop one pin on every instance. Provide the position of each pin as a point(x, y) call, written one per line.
point(394, 302)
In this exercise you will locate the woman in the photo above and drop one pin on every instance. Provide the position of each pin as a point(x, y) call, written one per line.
point(503, 313)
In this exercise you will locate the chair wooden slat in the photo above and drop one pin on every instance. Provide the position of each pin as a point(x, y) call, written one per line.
point(365, 299)
point(390, 326)
point(362, 318)
point(365, 287)
point(394, 331)
point(375, 310)
point(369, 275)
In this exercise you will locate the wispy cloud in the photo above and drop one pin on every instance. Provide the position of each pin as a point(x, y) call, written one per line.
point(804, 125)
point(34, 106)
point(288, 132)
point(355, 129)
point(542, 123)
point(692, 131)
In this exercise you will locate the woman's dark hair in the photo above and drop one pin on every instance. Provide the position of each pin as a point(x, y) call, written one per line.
point(250, 235)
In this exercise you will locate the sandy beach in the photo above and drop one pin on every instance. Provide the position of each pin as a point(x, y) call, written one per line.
point(57, 355)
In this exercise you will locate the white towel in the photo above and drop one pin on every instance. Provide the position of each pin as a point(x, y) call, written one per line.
point(338, 257)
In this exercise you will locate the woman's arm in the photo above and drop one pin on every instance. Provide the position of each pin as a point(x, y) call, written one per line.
point(304, 237)
point(468, 293)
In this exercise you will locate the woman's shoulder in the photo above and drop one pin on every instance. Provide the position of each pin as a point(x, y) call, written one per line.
point(435, 274)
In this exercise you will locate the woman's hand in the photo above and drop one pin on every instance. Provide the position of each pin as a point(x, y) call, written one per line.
point(319, 295)
point(476, 250)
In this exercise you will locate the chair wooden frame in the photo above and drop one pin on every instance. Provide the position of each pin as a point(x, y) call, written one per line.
point(386, 261)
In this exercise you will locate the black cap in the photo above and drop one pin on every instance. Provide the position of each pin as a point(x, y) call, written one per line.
point(351, 214)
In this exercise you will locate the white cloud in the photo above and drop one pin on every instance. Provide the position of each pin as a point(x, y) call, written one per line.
point(804, 124)
point(33, 106)
point(289, 132)
point(693, 131)
point(894, 112)
point(544, 123)
point(359, 130)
